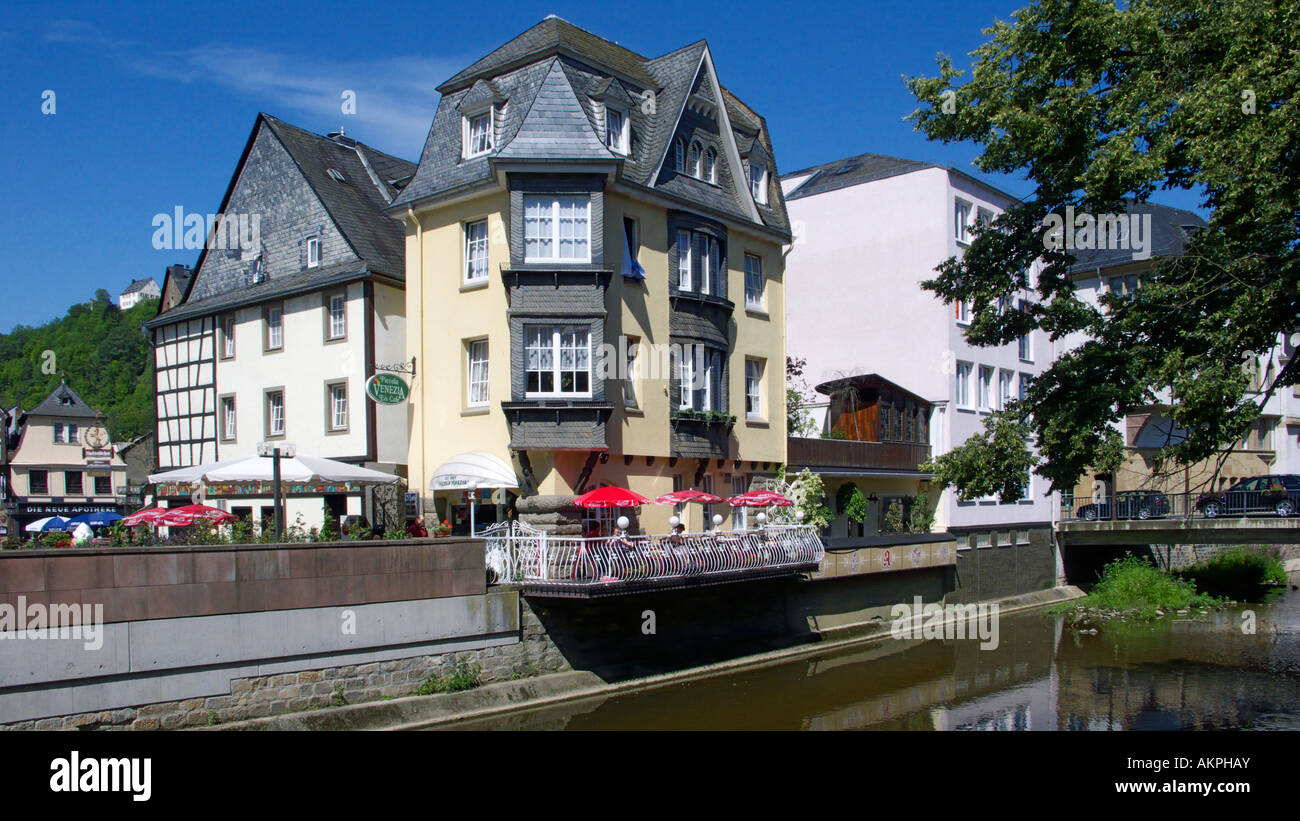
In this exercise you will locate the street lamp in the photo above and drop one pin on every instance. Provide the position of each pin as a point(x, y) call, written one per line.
point(277, 451)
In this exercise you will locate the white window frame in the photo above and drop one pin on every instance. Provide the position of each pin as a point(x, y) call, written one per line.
point(694, 158)
point(338, 407)
point(709, 170)
point(984, 388)
point(275, 328)
point(477, 364)
point(965, 370)
point(961, 221)
point(337, 322)
point(758, 182)
point(754, 369)
point(556, 349)
point(1022, 385)
point(961, 312)
point(468, 135)
point(58, 433)
point(1025, 344)
point(271, 396)
point(229, 419)
point(617, 142)
point(313, 252)
point(476, 251)
point(228, 336)
point(685, 377)
point(1005, 384)
point(679, 155)
point(685, 260)
point(755, 293)
point(553, 220)
point(632, 357)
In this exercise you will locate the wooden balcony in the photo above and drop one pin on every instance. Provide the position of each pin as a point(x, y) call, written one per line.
point(848, 457)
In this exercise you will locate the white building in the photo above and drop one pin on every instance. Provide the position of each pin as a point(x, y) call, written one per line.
point(869, 230)
point(138, 290)
point(277, 333)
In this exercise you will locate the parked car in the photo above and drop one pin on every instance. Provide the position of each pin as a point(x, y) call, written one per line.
point(1129, 504)
point(1279, 494)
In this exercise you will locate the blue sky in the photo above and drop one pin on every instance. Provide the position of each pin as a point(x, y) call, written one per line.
point(153, 102)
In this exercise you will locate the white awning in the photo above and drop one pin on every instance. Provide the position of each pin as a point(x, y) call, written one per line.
point(479, 466)
point(301, 468)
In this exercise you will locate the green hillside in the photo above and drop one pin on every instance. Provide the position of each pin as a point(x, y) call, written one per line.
point(100, 351)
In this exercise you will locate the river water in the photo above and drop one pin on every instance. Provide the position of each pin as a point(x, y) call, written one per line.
point(1187, 672)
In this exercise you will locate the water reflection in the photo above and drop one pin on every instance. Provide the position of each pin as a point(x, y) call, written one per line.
point(1197, 672)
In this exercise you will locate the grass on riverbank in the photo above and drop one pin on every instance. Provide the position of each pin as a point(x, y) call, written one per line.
point(1131, 587)
point(463, 676)
point(1242, 573)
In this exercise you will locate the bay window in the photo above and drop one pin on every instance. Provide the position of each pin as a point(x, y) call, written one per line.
point(701, 378)
point(557, 229)
point(557, 361)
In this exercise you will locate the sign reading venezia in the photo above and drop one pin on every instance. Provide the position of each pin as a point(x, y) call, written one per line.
point(387, 389)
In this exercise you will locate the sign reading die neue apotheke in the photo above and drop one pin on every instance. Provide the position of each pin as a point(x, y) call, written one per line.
point(387, 389)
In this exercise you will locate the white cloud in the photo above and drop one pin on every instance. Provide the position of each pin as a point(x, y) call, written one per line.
point(395, 96)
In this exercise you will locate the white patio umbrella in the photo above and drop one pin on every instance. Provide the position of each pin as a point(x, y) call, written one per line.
point(300, 468)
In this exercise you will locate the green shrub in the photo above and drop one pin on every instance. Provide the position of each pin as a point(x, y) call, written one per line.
point(463, 676)
point(851, 502)
point(1133, 585)
point(894, 517)
point(1241, 573)
point(922, 520)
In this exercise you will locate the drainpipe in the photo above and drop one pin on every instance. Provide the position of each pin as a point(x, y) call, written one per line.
point(419, 312)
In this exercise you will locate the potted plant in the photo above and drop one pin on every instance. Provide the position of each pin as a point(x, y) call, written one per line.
point(443, 528)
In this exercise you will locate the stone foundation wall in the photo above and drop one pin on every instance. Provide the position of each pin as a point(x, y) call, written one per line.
point(257, 696)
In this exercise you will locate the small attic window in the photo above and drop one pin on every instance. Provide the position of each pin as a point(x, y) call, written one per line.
point(616, 128)
point(846, 168)
point(336, 174)
point(478, 134)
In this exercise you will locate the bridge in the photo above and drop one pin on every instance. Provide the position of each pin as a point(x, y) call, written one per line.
point(1240, 530)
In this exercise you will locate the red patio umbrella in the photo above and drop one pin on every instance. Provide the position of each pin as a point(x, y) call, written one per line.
point(148, 516)
point(677, 497)
point(759, 498)
point(611, 497)
point(189, 514)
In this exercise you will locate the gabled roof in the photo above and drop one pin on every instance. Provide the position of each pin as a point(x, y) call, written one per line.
point(552, 78)
point(556, 126)
point(851, 171)
point(553, 35)
point(356, 202)
point(139, 285)
point(63, 401)
point(1171, 229)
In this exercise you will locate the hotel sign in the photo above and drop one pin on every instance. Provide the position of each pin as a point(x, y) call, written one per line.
point(387, 389)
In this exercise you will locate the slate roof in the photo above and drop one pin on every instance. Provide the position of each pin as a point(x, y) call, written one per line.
point(139, 285)
point(1170, 231)
point(272, 288)
point(851, 171)
point(52, 405)
point(357, 204)
point(550, 78)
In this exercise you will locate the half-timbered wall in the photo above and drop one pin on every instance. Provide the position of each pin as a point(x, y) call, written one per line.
point(185, 387)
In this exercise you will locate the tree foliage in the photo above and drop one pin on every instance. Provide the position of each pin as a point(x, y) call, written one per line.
point(99, 350)
point(850, 501)
point(1092, 104)
point(798, 421)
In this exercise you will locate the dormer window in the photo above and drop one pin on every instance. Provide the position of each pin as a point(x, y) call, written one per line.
point(679, 156)
point(693, 161)
point(616, 128)
point(478, 134)
point(710, 166)
point(313, 252)
point(758, 182)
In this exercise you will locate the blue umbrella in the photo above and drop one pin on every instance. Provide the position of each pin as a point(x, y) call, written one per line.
point(100, 519)
point(54, 523)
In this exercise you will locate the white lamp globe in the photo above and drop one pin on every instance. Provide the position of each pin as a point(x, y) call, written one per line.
point(798, 515)
point(762, 517)
point(623, 522)
point(717, 518)
point(674, 521)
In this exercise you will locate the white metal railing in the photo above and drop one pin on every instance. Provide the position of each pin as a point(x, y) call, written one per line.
point(522, 554)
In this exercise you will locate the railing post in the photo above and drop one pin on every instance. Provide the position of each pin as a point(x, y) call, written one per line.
point(542, 558)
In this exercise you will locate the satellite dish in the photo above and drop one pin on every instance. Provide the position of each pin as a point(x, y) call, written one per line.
point(1289, 344)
